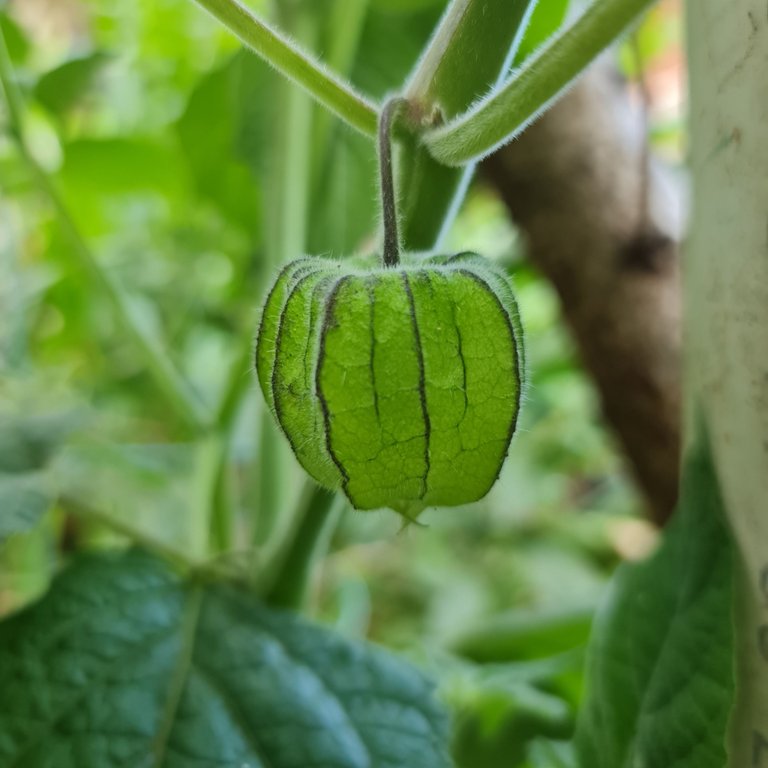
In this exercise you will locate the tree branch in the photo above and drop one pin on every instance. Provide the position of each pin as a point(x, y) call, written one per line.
point(576, 183)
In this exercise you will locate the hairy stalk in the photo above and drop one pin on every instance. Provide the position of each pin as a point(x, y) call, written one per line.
point(503, 114)
point(391, 254)
point(448, 78)
point(287, 574)
point(293, 62)
point(177, 391)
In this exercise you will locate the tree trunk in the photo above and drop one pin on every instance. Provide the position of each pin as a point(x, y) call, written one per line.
point(603, 223)
point(726, 314)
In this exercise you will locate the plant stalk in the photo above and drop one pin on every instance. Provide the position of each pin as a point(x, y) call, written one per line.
point(391, 253)
point(499, 117)
point(448, 78)
point(295, 63)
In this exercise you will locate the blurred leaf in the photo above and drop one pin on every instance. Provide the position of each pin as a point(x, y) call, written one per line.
point(27, 445)
point(657, 34)
point(545, 20)
point(115, 183)
point(545, 753)
point(161, 490)
point(211, 135)
point(406, 6)
point(496, 729)
point(120, 166)
point(125, 664)
point(660, 678)
point(346, 207)
point(390, 45)
point(24, 499)
point(526, 634)
point(60, 89)
point(15, 40)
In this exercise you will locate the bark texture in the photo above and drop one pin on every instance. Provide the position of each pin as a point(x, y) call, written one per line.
point(603, 222)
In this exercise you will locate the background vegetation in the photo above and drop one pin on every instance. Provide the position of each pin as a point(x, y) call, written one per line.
point(186, 170)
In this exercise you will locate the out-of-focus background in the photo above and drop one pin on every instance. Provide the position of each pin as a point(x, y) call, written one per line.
point(159, 138)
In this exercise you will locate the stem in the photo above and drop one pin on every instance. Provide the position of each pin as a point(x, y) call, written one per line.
point(391, 256)
point(447, 80)
point(223, 508)
point(80, 510)
point(296, 548)
point(293, 62)
point(176, 390)
point(289, 575)
point(288, 211)
point(501, 116)
point(443, 78)
point(217, 570)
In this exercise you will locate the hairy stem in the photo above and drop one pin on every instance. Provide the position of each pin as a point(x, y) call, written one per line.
point(293, 62)
point(448, 78)
point(288, 577)
point(391, 255)
point(503, 114)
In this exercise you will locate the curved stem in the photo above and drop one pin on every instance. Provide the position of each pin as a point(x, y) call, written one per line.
point(498, 118)
point(318, 515)
point(391, 256)
point(290, 60)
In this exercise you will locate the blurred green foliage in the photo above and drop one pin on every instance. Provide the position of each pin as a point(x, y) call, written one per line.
point(164, 139)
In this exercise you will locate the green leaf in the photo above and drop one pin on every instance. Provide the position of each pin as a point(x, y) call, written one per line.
point(546, 19)
point(27, 446)
point(209, 135)
point(60, 89)
point(545, 753)
point(121, 166)
point(28, 443)
point(15, 40)
point(24, 499)
point(525, 634)
point(291, 61)
point(405, 6)
point(125, 664)
point(661, 678)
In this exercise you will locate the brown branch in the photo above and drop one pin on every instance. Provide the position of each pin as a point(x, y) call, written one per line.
point(604, 225)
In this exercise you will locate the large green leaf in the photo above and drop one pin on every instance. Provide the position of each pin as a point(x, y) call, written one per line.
point(661, 672)
point(125, 664)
